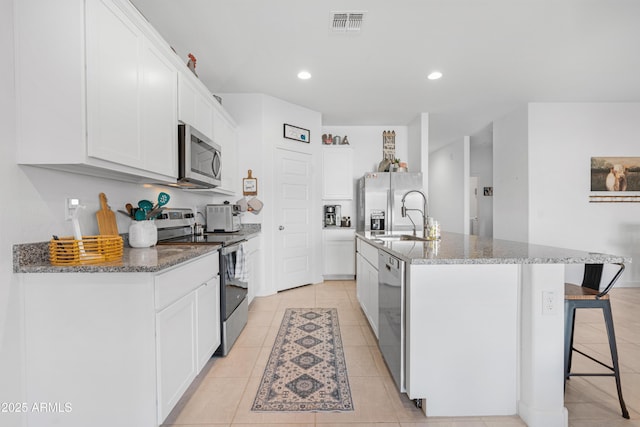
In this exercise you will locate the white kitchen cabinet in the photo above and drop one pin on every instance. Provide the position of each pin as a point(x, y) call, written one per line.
point(367, 282)
point(225, 134)
point(132, 342)
point(107, 103)
point(337, 173)
point(255, 266)
point(195, 104)
point(338, 248)
point(208, 300)
point(176, 351)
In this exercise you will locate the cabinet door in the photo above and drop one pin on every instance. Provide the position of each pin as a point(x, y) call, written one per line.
point(255, 267)
point(339, 249)
point(158, 113)
point(337, 173)
point(208, 299)
point(225, 134)
point(176, 337)
point(372, 284)
point(186, 100)
point(203, 120)
point(367, 291)
point(360, 281)
point(113, 85)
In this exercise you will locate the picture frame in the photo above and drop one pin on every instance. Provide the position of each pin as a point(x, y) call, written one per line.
point(249, 185)
point(296, 133)
point(615, 179)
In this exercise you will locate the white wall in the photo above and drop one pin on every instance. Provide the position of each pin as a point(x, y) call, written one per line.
point(449, 186)
point(511, 177)
point(542, 157)
point(11, 367)
point(366, 143)
point(562, 140)
point(481, 166)
point(418, 148)
point(261, 118)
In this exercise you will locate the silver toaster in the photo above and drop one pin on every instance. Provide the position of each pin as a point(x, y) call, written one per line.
point(223, 218)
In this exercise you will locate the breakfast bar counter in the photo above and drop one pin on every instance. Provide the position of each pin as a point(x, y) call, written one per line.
point(484, 325)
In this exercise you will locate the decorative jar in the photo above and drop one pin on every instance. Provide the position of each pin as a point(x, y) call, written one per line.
point(143, 234)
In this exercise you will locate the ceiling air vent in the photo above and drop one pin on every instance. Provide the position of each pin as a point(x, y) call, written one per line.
point(346, 21)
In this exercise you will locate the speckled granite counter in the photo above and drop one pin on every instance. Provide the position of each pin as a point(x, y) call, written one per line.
point(34, 258)
point(456, 248)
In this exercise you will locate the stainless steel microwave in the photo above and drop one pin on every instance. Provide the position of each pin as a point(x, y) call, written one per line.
point(199, 159)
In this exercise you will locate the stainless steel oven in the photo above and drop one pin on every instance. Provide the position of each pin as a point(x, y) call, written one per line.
point(233, 287)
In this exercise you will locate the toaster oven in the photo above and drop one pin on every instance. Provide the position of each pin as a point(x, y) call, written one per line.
point(223, 218)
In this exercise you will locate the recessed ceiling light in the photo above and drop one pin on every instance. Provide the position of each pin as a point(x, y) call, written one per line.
point(304, 75)
point(434, 75)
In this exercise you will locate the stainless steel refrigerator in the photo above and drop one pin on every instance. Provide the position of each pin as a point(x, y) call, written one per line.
point(380, 195)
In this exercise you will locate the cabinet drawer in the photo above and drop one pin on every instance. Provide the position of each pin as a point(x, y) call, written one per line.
point(369, 252)
point(176, 283)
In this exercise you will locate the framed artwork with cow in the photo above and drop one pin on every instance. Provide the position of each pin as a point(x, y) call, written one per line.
point(615, 179)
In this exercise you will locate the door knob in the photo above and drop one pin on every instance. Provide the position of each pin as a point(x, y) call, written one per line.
point(281, 228)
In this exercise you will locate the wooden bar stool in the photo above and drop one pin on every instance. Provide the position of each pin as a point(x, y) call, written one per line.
point(588, 295)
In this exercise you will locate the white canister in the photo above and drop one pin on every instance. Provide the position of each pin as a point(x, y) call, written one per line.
point(143, 234)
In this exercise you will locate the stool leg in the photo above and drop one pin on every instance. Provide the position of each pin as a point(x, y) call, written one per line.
point(569, 323)
point(608, 319)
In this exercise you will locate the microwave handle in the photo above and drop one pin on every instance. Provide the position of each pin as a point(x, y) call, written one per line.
point(216, 164)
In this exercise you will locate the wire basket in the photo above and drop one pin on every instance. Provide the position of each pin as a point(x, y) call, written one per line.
point(68, 251)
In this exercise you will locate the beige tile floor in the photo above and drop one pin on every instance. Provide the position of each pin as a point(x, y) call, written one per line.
point(223, 393)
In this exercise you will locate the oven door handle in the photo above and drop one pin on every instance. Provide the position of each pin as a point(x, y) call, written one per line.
point(231, 248)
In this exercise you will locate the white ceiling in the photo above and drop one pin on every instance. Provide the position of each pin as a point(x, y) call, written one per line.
point(495, 55)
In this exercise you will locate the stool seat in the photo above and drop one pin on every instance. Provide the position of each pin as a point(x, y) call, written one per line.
point(577, 292)
point(589, 295)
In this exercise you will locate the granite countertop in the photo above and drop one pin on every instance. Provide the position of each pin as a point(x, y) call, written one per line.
point(454, 248)
point(34, 257)
point(30, 259)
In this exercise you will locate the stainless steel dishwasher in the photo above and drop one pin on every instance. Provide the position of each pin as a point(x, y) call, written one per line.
point(391, 314)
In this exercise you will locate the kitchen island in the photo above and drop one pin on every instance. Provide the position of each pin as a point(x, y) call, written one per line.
point(483, 324)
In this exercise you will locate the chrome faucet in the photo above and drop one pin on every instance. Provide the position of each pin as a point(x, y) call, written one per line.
point(424, 211)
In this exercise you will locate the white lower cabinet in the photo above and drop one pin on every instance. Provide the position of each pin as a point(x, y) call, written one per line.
point(176, 351)
point(208, 334)
point(338, 247)
point(255, 267)
point(118, 349)
point(367, 282)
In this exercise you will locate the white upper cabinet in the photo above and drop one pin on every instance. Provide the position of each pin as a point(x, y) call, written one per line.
point(102, 100)
point(195, 107)
point(337, 173)
point(131, 95)
point(226, 135)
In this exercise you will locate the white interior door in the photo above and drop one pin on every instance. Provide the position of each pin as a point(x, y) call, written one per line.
point(293, 246)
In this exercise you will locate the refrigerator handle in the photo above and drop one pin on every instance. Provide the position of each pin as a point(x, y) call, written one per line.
point(390, 204)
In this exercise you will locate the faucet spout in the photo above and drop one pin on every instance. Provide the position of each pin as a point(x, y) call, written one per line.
point(425, 209)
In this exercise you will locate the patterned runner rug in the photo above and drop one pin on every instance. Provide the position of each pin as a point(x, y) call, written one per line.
point(306, 370)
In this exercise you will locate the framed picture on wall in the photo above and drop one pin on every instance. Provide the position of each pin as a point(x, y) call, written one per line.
point(297, 134)
point(615, 179)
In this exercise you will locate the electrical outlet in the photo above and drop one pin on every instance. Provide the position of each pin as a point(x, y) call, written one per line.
point(549, 303)
point(70, 206)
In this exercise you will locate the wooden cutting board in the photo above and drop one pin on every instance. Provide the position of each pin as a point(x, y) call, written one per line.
point(106, 218)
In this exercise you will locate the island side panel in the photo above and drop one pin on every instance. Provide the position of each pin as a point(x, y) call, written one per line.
point(462, 338)
point(542, 342)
